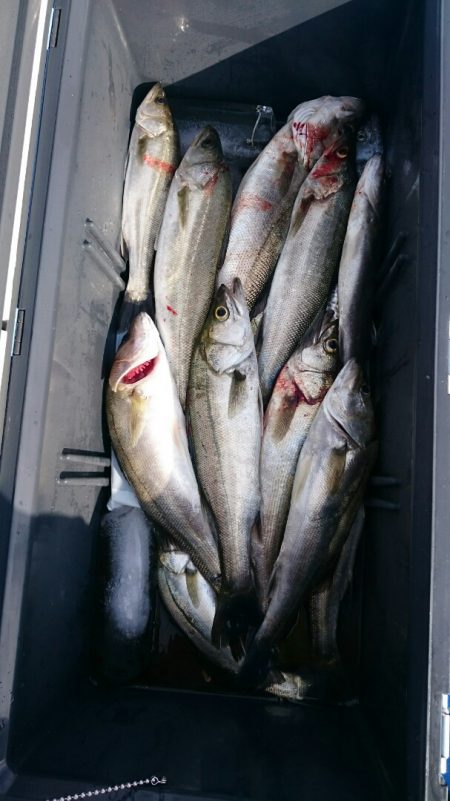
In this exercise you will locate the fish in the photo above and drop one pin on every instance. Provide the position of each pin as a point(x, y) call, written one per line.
point(126, 559)
point(225, 416)
point(189, 246)
point(262, 208)
point(308, 261)
point(191, 602)
point(324, 602)
point(369, 142)
point(298, 393)
point(148, 433)
point(151, 164)
point(356, 282)
point(318, 124)
point(329, 484)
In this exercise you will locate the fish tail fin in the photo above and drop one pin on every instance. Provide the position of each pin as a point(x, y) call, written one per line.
point(131, 308)
point(235, 614)
point(257, 665)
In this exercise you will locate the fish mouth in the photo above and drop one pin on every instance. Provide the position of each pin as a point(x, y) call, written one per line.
point(353, 442)
point(139, 372)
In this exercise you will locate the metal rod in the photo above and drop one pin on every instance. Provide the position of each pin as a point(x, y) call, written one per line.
point(101, 258)
point(86, 458)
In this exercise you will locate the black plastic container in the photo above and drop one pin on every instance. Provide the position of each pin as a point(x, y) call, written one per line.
point(61, 732)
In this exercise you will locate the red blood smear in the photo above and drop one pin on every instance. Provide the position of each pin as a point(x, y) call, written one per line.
point(139, 372)
point(328, 165)
point(250, 201)
point(292, 394)
point(158, 164)
point(172, 311)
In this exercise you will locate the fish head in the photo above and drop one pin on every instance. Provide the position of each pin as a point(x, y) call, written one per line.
point(371, 182)
point(154, 115)
point(319, 350)
point(333, 170)
point(228, 337)
point(317, 124)
point(369, 141)
point(349, 405)
point(206, 148)
point(135, 366)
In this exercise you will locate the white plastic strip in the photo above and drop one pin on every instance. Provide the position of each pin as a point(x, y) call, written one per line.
point(14, 261)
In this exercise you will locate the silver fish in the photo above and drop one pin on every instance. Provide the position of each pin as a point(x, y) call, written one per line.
point(225, 417)
point(151, 164)
point(263, 205)
point(369, 142)
point(191, 602)
point(296, 398)
point(189, 246)
point(356, 268)
point(323, 604)
point(147, 429)
point(330, 480)
point(308, 260)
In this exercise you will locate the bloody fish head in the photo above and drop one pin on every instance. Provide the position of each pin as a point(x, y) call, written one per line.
point(137, 357)
point(318, 123)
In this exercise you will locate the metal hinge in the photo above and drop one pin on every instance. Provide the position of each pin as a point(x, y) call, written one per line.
point(18, 332)
point(444, 766)
point(53, 28)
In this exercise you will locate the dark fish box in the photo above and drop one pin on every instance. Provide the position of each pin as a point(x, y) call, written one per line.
point(71, 78)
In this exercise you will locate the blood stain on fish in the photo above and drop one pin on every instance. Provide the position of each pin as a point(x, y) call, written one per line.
point(171, 310)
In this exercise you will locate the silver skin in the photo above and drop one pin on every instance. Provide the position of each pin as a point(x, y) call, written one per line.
point(191, 602)
point(151, 164)
point(300, 389)
point(308, 261)
point(323, 604)
point(263, 205)
point(369, 142)
point(356, 268)
point(329, 484)
point(189, 247)
point(148, 433)
point(226, 422)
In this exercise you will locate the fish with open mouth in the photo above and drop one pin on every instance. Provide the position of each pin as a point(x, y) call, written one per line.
point(148, 433)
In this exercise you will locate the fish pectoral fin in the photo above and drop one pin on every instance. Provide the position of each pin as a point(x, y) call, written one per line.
point(256, 324)
point(192, 588)
point(137, 419)
point(238, 393)
point(183, 203)
point(283, 421)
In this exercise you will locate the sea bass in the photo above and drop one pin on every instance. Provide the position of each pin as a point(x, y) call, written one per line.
point(263, 205)
point(296, 398)
point(330, 480)
point(147, 429)
point(191, 602)
point(308, 260)
point(189, 246)
point(356, 269)
point(226, 422)
point(152, 160)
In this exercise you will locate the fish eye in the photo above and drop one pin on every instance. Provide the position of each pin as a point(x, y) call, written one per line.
point(343, 152)
point(365, 389)
point(208, 142)
point(160, 99)
point(361, 136)
point(221, 313)
point(331, 345)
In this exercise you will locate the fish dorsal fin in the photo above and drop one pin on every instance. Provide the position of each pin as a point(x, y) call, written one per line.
point(137, 418)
